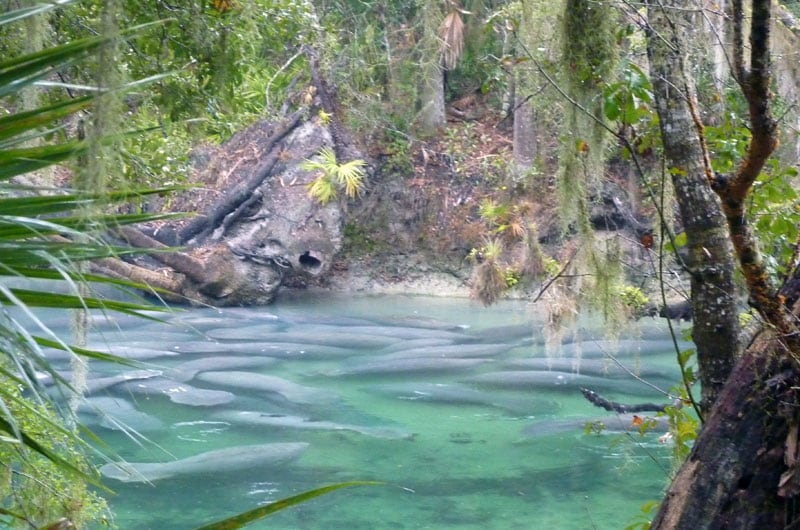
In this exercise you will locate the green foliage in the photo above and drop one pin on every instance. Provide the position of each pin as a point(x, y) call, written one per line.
point(633, 297)
point(774, 208)
point(627, 100)
point(684, 428)
point(332, 176)
point(551, 266)
point(36, 487)
point(229, 68)
point(503, 217)
point(42, 460)
point(512, 276)
point(643, 520)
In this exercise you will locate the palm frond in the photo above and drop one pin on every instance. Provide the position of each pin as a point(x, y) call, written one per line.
point(239, 521)
point(322, 188)
point(350, 175)
point(25, 12)
point(451, 33)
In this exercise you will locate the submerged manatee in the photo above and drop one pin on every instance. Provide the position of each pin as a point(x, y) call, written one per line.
point(178, 392)
point(116, 414)
point(339, 337)
point(186, 371)
point(457, 394)
point(280, 350)
point(618, 348)
point(296, 422)
point(597, 367)
point(95, 385)
point(252, 332)
point(460, 351)
point(415, 343)
point(293, 392)
point(413, 365)
point(615, 423)
point(397, 332)
point(532, 379)
point(218, 461)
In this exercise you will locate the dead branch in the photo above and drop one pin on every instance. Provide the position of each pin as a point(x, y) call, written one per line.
point(599, 401)
point(180, 262)
point(203, 224)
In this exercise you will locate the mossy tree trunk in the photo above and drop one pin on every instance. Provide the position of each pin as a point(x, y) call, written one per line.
point(432, 110)
point(710, 257)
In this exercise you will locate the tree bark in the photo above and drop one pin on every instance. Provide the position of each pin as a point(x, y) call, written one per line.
point(732, 476)
point(711, 263)
point(203, 224)
point(180, 262)
point(432, 109)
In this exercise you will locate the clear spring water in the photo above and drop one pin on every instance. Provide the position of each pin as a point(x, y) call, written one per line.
point(461, 464)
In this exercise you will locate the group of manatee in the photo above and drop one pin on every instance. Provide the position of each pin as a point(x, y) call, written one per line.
point(211, 361)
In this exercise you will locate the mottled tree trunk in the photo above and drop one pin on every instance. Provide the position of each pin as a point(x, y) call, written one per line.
point(525, 146)
point(525, 138)
point(711, 257)
point(731, 479)
point(432, 110)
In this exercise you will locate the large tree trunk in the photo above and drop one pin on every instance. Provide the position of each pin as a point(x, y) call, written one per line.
point(711, 258)
point(732, 479)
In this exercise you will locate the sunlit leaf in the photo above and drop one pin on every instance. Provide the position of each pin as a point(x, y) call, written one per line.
point(246, 518)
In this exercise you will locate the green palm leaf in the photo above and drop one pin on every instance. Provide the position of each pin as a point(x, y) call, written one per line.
point(246, 518)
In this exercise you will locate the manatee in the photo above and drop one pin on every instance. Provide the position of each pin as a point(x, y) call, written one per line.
point(253, 332)
point(97, 384)
point(178, 392)
point(270, 384)
point(282, 350)
point(117, 414)
point(452, 351)
point(220, 319)
point(397, 332)
point(414, 344)
point(186, 371)
point(511, 332)
point(412, 365)
point(338, 320)
point(551, 380)
point(611, 423)
point(598, 367)
point(620, 348)
point(423, 322)
point(133, 351)
point(340, 337)
point(297, 422)
point(457, 394)
point(226, 460)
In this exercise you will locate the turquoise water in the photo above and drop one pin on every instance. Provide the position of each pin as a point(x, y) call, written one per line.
point(492, 457)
